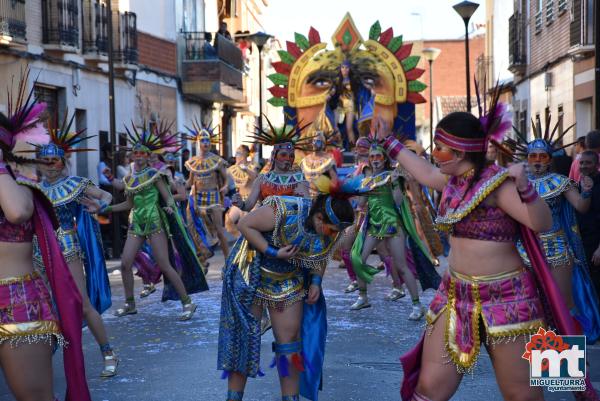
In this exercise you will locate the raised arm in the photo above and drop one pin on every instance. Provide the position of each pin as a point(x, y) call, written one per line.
point(528, 209)
point(16, 200)
point(581, 201)
point(253, 197)
point(421, 170)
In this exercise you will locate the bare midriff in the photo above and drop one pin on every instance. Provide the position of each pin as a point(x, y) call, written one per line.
point(479, 258)
point(15, 259)
point(206, 182)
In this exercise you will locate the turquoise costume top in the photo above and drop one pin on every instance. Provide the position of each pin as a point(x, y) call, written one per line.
point(562, 245)
point(79, 235)
point(244, 282)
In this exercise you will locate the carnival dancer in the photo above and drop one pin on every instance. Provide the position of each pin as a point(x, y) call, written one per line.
point(243, 174)
point(31, 327)
point(79, 233)
point(208, 181)
point(283, 176)
point(482, 207)
point(383, 223)
point(278, 263)
point(562, 243)
point(318, 162)
point(150, 219)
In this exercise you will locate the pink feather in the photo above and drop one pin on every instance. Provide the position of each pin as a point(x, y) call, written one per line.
point(36, 135)
point(35, 113)
point(497, 125)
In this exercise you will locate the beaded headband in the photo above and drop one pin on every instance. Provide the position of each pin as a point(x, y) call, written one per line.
point(460, 144)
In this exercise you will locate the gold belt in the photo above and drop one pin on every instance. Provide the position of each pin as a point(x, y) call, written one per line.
point(26, 277)
point(278, 276)
point(487, 278)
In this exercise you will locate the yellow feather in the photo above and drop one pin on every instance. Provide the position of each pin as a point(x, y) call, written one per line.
point(323, 184)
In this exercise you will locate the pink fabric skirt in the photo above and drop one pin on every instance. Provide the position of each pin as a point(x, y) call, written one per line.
point(494, 307)
point(26, 312)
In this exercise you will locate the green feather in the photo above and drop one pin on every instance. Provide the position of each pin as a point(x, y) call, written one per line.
point(277, 101)
point(278, 79)
point(416, 86)
point(301, 41)
point(410, 62)
point(375, 31)
point(395, 44)
point(286, 57)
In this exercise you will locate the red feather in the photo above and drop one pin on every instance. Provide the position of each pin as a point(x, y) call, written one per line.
point(415, 98)
point(404, 51)
point(293, 49)
point(386, 36)
point(278, 91)
point(282, 67)
point(413, 74)
point(298, 362)
point(313, 36)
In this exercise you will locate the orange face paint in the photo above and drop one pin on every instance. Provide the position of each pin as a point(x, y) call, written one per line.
point(443, 155)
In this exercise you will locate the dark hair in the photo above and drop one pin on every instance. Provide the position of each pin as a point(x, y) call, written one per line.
point(208, 36)
point(466, 125)
point(561, 164)
point(341, 207)
point(592, 139)
point(581, 141)
point(245, 147)
point(591, 154)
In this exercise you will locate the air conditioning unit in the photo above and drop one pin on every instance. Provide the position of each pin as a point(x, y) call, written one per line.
point(548, 80)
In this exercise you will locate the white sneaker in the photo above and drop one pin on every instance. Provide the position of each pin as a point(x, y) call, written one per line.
point(353, 286)
point(417, 312)
point(361, 303)
point(395, 294)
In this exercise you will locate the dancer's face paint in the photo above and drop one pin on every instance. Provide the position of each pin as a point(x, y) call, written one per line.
point(445, 158)
point(539, 161)
point(53, 167)
point(140, 158)
point(376, 160)
point(284, 160)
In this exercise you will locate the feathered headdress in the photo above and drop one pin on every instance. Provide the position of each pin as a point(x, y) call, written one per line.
point(544, 138)
point(169, 141)
point(144, 139)
point(62, 140)
point(23, 119)
point(288, 137)
point(495, 120)
point(198, 131)
point(340, 190)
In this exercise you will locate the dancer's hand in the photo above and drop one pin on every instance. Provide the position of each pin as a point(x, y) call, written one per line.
point(287, 252)
point(314, 292)
point(596, 257)
point(168, 209)
point(91, 206)
point(518, 172)
point(586, 183)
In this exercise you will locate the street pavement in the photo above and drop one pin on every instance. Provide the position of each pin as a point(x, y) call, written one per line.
point(163, 359)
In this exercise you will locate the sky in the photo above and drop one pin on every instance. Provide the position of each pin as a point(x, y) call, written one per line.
point(414, 19)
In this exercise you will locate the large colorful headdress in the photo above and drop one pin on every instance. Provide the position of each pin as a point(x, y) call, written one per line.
point(22, 122)
point(170, 142)
point(337, 189)
point(286, 138)
point(144, 139)
point(495, 120)
point(198, 132)
point(63, 140)
point(543, 138)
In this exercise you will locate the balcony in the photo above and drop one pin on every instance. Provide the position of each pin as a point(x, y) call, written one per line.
point(95, 29)
point(212, 74)
point(60, 25)
point(12, 21)
point(539, 21)
point(125, 46)
point(517, 56)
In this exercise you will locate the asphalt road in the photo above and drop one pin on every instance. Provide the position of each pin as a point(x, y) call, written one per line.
point(164, 359)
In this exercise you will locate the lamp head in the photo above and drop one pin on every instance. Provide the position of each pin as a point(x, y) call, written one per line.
point(431, 53)
point(465, 9)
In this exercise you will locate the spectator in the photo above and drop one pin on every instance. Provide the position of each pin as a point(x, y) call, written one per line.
point(124, 167)
point(580, 145)
point(223, 31)
point(105, 175)
point(561, 162)
point(592, 142)
point(589, 223)
point(208, 49)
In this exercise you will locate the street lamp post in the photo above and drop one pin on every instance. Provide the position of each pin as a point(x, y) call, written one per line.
point(430, 54)
point(260, 39)
point(466, 9)
point(116, 240)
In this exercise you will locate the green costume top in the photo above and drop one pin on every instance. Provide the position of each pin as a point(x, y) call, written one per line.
point(146, 216)
point(384, 219)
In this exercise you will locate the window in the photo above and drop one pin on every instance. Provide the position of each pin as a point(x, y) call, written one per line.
point(562, 6)
point(549, 12)
point(49, 95)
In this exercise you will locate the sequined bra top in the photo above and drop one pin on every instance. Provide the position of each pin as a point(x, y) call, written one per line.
point(486, 223)
point(10, 232)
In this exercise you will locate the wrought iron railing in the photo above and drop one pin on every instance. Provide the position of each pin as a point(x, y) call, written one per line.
point(198, 46)
point(125, 47)
point(95, 26)
point(549, 11)
point(516, 40)
point(12, 19)
point(60, 22)
point(539, 21)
